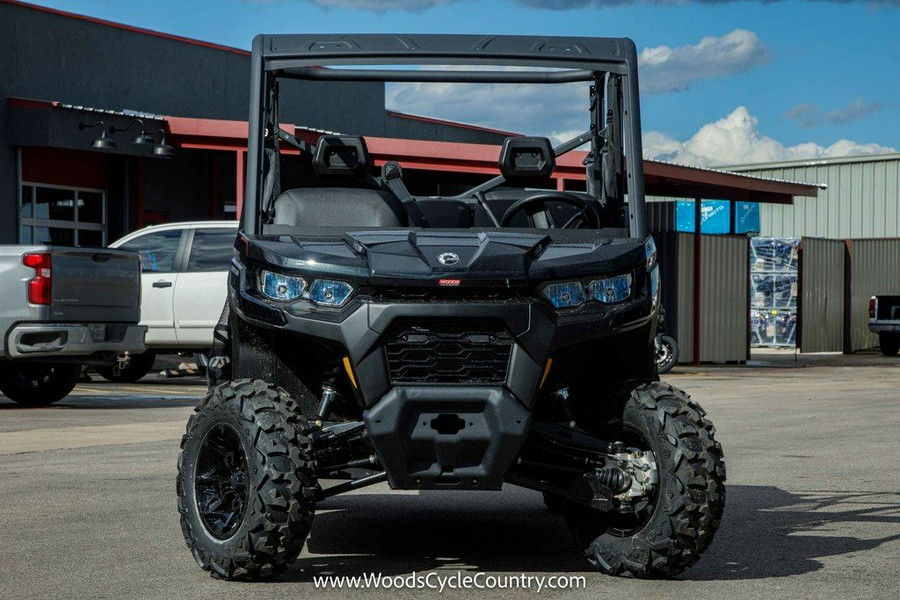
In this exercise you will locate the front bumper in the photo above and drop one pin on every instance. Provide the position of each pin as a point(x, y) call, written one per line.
point(447, 437)
point(882, 326)
point(70, 340)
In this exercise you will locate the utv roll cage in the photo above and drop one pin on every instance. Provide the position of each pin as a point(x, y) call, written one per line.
point(614, 165)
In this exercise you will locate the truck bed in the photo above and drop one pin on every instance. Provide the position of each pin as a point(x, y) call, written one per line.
point(92, 302)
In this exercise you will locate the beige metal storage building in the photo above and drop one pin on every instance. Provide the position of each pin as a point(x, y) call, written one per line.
point(862, 199)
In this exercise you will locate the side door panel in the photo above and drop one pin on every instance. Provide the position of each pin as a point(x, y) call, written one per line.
point(158, 308)
point(160, 251)
point(203, 286)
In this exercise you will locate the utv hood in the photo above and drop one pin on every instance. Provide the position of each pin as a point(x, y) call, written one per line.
point(416, 257)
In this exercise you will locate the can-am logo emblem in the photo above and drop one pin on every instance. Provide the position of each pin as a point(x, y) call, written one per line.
point(448, 258)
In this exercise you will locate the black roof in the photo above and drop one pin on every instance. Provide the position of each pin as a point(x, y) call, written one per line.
point(286, 52)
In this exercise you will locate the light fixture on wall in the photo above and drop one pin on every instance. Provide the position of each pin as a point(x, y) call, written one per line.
point(142, 139)
point(104, 142)
point(162, 149)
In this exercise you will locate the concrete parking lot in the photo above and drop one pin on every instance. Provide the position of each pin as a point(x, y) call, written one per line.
point(813, 511)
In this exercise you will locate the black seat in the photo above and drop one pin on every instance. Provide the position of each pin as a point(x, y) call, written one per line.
point(339, 207)
point(344, 160)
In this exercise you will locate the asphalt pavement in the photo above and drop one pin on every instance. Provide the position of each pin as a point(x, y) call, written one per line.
point(813, 500)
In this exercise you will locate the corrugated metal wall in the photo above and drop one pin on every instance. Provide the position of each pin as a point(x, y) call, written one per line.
point(822, 295)
point(661, 216)
point(875, 269)
point(684, 248)
point(862, 199)
point(724, 297)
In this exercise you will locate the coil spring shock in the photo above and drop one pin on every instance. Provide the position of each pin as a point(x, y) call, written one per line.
point(329, 392)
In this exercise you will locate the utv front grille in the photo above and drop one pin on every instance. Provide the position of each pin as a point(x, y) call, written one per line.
point(448, 353)
point(449, 294)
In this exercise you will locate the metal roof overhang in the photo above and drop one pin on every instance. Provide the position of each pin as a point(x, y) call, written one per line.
point(43, 124)
point(678, 181)
point(52, 124)
point(661, 179)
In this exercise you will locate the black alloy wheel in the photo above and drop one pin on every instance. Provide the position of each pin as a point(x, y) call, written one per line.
point(222, 482)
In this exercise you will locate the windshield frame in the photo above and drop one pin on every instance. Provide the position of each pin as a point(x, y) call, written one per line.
point(614, 169)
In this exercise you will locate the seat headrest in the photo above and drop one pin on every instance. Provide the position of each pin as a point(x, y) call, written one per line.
point(338, 155)
point(527, 157)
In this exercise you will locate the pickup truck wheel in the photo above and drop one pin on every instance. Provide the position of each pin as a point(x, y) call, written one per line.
point(128, 371)
point(685, 508)
point(38, 384)
point(890, 343)
point(246, 482)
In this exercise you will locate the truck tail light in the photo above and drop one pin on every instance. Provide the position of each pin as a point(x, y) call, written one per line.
point(873, 307)
point(39, 285)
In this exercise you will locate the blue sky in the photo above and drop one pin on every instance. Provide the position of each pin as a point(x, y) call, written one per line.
point(722, 81)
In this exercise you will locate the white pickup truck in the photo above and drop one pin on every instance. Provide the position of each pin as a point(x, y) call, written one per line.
point(184, 287)
point(61, 308)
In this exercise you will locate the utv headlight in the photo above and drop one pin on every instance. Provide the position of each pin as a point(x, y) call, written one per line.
point(282, 288)
point(565, 295)
point(329, 293)
point(611, 289)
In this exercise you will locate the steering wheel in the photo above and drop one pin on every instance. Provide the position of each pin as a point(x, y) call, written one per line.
point(539, 213)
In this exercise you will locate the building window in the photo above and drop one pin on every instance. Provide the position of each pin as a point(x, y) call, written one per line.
point(62, 216)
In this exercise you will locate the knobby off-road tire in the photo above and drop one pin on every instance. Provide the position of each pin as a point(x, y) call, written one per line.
point(689, 499)
point(37, 384)
point(889, 343)
point(280, 485)
point(137, 366)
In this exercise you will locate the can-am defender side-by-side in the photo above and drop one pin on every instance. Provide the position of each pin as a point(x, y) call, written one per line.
point(454, 342)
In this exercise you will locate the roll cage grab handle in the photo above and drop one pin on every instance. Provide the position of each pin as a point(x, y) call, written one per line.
point(614, 163)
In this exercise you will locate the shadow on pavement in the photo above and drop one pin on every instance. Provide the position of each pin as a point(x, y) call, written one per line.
point(766, 532)
point(770, 532)
point(106, 403)
point(150, 381)
point(104, 395)
point(399, 533)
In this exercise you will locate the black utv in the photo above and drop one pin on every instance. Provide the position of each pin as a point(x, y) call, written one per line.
point(457, 342)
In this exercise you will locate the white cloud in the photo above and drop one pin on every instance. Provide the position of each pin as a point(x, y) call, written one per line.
point(666, 69)
point(556, 110)
point(736, 139)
